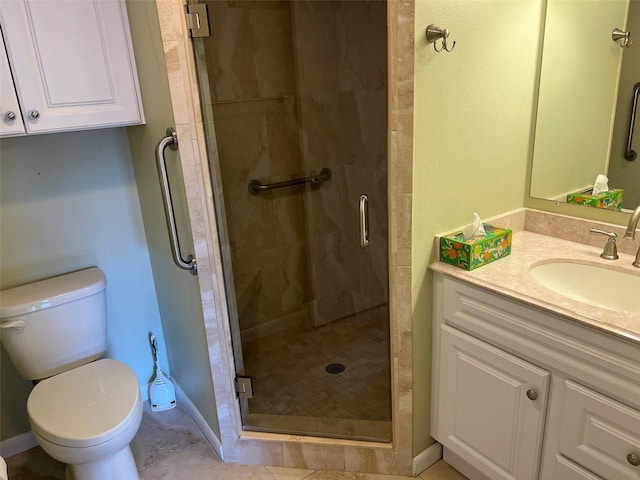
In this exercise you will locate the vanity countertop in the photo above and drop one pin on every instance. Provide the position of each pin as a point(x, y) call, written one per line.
point(510, 276)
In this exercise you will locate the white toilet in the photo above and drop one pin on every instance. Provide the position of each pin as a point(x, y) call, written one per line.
point(84, 412)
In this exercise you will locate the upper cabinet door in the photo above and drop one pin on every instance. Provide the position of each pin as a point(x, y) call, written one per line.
point(72, 63)
point(11, 122)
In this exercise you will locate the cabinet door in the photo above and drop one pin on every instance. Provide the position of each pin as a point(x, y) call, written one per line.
point(11, 122)
point(72, 63)
point(600, 433)
point(492, 407)
point(567, 470)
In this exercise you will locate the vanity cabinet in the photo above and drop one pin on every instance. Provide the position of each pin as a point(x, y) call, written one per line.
point(522, 393)
point(66, 66)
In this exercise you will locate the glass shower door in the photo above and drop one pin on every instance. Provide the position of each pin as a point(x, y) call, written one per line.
point(294, 90)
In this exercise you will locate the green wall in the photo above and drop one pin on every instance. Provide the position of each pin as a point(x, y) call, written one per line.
point(177, 290)
point(473, 115)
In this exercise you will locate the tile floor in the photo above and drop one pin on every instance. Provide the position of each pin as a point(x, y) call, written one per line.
point(290, 377)
point(169, 446)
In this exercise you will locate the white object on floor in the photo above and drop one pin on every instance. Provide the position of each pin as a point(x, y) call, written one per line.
point(3, 469)
point(162, 393)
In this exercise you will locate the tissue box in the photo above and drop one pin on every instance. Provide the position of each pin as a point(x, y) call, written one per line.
point(611, 200)
point(477, 251)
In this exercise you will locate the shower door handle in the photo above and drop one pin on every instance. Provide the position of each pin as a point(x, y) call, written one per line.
point(364, 221)
point(171, 141)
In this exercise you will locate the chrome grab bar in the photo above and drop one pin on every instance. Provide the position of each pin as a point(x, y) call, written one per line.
point(171, 141)
point(364, 221)
point(256, 186)
point(630, 154)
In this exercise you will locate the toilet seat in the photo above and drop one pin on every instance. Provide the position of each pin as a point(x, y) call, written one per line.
point(85, 406)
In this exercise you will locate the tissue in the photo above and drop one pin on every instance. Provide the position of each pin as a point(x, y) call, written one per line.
point(474, 229)
point(601, 185)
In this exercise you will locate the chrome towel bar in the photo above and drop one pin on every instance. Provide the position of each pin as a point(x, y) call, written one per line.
point(630, 154)
point(171, 141)
point(256, 186)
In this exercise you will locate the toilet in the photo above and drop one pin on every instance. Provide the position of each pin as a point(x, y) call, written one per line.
point(84, 411)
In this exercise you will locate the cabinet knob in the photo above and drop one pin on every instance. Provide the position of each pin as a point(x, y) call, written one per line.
point(34, 114)
point(531, 394)
point(10, 116)
point(633, 459)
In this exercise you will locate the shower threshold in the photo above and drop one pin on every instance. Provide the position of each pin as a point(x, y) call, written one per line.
point(345, 429)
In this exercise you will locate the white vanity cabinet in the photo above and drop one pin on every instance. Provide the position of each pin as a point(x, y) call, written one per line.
point(521, 393)
point(71, 66)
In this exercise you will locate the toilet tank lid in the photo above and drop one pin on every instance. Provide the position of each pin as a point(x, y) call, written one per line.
point(51, 292)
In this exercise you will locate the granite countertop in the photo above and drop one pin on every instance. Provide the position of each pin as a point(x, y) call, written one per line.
point(510, 276)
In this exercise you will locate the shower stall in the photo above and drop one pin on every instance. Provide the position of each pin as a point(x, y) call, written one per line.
point(294, 97)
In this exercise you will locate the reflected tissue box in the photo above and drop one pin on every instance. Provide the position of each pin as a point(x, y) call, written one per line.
point(611, 200)
point(477, 251)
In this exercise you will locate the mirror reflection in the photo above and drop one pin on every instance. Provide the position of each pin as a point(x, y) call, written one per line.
point(586, 92)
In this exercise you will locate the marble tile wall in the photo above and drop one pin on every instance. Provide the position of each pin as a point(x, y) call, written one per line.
point(285, 450)
point(342, 81)
point(253, 100)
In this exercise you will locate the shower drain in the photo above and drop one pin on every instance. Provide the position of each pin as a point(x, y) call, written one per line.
point(335, 368)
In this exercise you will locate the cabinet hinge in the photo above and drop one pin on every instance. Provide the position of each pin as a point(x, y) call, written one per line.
point(244, 387)
point(197, 20)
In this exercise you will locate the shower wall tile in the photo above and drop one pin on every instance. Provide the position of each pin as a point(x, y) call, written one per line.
point(352, 54)
point(275, 59)
point(175, 76)
point(326, 202)
point(311, 24)
point(403, 229)
point(246, 30)
point(372, 110)
point(404, 179)
point(170, 14)
point(320, 129)
point(257, 140)
point(363, 49)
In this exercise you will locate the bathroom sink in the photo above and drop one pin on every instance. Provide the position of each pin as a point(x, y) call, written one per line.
point(591, 284)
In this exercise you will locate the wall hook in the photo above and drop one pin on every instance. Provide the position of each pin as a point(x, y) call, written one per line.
point(621, 37)
point(435, 33)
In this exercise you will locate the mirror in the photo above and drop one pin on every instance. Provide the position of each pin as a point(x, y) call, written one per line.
point(584, 100)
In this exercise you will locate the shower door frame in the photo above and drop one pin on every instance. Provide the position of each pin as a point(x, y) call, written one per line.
point(234, 444)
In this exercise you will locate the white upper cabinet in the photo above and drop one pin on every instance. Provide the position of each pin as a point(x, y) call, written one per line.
point(11, 123)
point(72, 64)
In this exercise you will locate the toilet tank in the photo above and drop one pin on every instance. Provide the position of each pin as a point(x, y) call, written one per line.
point(56, 324)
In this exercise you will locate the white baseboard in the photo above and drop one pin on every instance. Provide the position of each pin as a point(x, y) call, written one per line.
point(18, 444)
point(426, 458)
point(199, 420)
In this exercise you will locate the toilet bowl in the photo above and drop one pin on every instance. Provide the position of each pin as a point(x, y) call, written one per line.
point(86, 418)
point(83, 411)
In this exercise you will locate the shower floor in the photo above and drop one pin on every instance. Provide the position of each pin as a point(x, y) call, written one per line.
point(290, 378)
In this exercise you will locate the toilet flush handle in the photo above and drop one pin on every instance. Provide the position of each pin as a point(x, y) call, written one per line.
point(19, 324)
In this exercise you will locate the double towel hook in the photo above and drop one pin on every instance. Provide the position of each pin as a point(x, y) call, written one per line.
point(435, 33)
point(621, 37)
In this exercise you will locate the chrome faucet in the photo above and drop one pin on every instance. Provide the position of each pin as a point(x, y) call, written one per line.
point(631, 232)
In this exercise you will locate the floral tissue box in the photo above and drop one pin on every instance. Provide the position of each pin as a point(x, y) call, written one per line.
point(477, 251)
point(611, 200)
